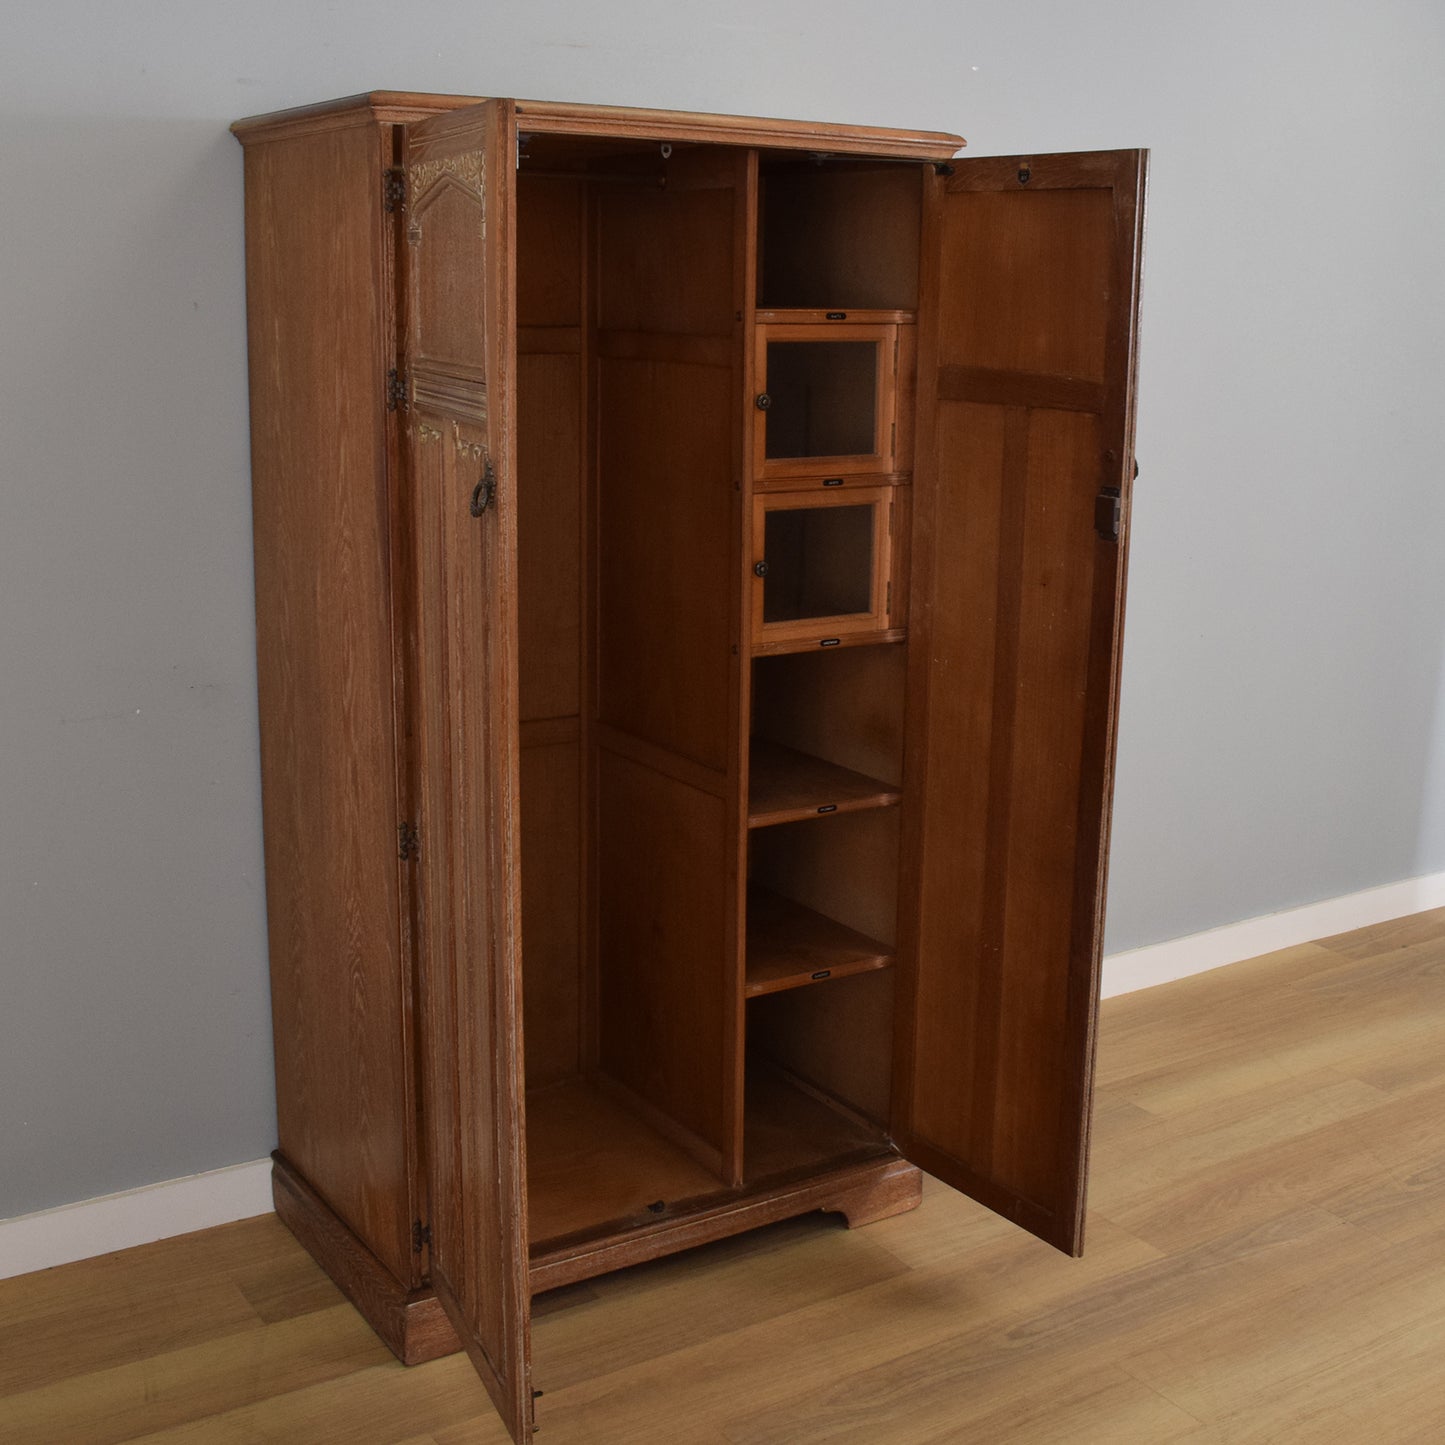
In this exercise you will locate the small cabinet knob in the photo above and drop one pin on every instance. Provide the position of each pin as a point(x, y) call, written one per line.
point(760, 569)
point(762, 401)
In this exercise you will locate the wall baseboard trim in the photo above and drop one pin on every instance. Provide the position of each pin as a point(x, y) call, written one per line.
point(177, 1206)
point(138, 1216)
point(1158, 963)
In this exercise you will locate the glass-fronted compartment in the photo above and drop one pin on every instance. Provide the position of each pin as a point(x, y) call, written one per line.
point(823, 398)
point(826, 399)
point(818, 562)
point(822, 563)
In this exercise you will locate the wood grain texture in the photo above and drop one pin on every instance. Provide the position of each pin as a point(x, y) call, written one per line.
point(552, 463)
point(411, 1323)
point(1266, 1267)
point(781, 646)
point(549, 533)
point(460, 213)
point(793, 1127)
point(664, 521)
point(319, 350)
point(592, 1161)
point(663, 978)
point(844, 866)
point(665, 490)
point(790, 946)
point(874, 1186)
point(838, 1037)
point(551, 846)
point(786, 786)
point(615, 121)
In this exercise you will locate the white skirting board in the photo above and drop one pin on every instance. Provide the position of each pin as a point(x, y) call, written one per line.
point(178, 1206)
point(138, 1216)
point(1199, 952)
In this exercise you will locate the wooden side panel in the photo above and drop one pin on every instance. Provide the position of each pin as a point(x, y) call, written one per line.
point(319, 350)
point(666, 258)
point(550, 429)
point(663, 993)
point(549, 436)
point(665, 521)
point(551, 409)
point(462, 445)
point(1026, 374)
point(844, 867)
point(551, 910)
point(666, 415)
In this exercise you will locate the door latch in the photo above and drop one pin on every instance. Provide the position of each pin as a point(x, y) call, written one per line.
point(485, 490)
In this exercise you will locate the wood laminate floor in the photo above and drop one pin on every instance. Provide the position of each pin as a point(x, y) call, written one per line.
point(1265, 1263)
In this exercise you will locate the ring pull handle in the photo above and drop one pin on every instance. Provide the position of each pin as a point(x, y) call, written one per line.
point(484, 491)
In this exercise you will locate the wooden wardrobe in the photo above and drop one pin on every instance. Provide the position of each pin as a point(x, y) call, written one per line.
point(689, 576)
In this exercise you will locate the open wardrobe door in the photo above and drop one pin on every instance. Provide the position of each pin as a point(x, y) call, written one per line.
point(1028, 307)
point(459, 401)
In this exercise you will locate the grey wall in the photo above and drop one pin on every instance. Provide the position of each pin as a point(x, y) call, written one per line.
point(1283, 733)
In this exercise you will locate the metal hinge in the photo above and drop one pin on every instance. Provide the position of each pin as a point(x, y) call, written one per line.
point(408, 842)
point(1108, 513)
point(395, 390)
point(393, 189)
point(420, 1235)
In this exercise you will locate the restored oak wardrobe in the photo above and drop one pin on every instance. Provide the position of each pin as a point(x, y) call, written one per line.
point(689, 575)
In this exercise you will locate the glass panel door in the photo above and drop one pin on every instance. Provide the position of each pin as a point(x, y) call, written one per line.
point(822, 563)
point(826, 399)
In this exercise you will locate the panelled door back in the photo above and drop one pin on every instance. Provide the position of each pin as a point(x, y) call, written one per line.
point(459, 399)
point(1027, 326)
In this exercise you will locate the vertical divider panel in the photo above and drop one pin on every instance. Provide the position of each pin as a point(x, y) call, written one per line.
point(750, 221)
point(551, 526)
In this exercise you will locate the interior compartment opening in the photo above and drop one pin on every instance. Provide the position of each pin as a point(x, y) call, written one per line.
point(627, 552)
point(839, 234)
point(841, 709)
point(644, 1098)
point(833, 1047)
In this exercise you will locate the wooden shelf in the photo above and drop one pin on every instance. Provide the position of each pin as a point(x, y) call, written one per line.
point(790, 946)
point(786, 786)
point(821, 318)
point(823, 640)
